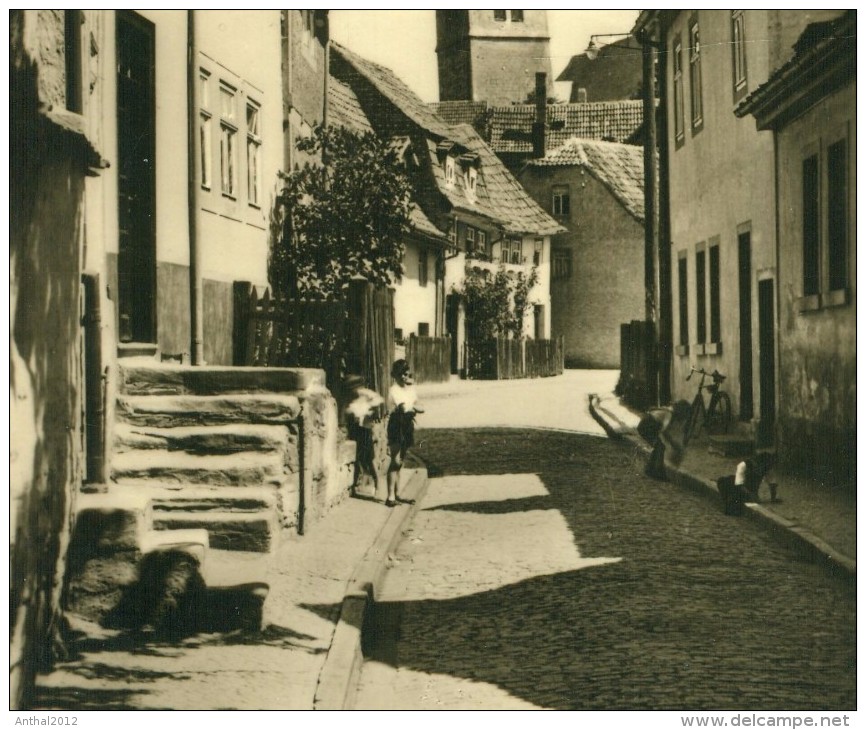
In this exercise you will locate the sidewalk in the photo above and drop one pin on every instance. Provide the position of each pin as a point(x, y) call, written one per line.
point(308, 656)
point(820, 522)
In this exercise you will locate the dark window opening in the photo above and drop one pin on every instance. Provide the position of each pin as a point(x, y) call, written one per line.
point(695, 79)
point(423, 329)
point(837, 215)
point(701, 294)
point(72, 43)
point(516, 16)
point(715, 297)
point(738, 45)
point(811, 227)
point(499, 15)
point(684, 301)
point(422, 267)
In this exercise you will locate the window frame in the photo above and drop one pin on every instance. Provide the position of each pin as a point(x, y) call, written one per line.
point(695, 76)
point(714, 274)
point(560, 264)
point(469, 239)
point(538, 251)
point(683, 295)
point(254, 140)
point(810, 223)
point(836, 254)
point(678, 91)
point(701, 293)
point(517, 16)
point(561, 201)
point(450, 171)
point(500, 16)
point(228, 142)
point(423, 274)
point(739, 65)
point(205, 134)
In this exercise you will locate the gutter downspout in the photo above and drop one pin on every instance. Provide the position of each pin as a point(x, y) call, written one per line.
point(665, 333)
point(195, 262)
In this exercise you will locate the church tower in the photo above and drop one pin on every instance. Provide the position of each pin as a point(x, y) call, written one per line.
point(491, 55)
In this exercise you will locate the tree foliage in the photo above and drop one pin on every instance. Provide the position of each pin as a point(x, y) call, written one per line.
point(497, 304)
point(346, 217)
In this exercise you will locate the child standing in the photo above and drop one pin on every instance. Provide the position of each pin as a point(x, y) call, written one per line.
point(363, 410)
point(402, 405)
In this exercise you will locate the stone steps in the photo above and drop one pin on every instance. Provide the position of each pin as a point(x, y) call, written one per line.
point(211, 440)
point(173, 411)
point(168, 379)
point(246, 468)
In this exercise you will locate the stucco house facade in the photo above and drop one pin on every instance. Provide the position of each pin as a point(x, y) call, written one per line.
point(595, 189)
point(809, 104)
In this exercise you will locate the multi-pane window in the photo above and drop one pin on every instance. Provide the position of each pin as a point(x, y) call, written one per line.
point(715, 296)
point(738, 49)
point(683, 278)
point(837, 215)
point(811, 227)
point(254, 153)
point(701, 294)
point(695, 83)
point(204, 130)
point(422, 267)
point(516, 251)
point(516, 16)
point(561, 264)
point(561, 201)
point(679, 127)
point(470, 181)
point(470, 239)
point(481, 241)
point(449, 171)
point(499, 15)
point(536, 254)
point(228, 141)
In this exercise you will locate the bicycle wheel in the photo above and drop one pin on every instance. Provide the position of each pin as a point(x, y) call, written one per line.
point(693, 425)
point(719, 415)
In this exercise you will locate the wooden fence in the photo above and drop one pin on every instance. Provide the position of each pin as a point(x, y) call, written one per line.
point(354, 335)
point(637, 379)
point(503, 359)
point(429, 358)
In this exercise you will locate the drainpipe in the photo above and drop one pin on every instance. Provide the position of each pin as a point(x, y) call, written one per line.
point(665, 294)
point(195, 262)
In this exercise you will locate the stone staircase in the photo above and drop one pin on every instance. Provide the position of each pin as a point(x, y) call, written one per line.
point(212, 463)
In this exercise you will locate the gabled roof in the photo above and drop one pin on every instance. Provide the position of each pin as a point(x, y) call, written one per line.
point(499, 197)
point(344, 109)
point(459, 112)
point(511, 126)
point(395, 90)
point(619, 167)
point(824, 59)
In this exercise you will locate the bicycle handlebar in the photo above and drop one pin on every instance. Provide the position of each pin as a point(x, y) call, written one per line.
point(715, 375)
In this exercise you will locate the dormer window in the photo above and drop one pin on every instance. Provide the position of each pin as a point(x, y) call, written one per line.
point(471, 180)
point(449, 171)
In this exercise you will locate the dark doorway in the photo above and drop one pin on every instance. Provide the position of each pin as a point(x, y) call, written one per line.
point(747, 391)
point(767, 357)
point(452, 318)
point(538, 314)
point(136, 148)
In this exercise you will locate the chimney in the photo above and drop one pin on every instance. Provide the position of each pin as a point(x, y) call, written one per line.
point(581, 96)
point(540, 124)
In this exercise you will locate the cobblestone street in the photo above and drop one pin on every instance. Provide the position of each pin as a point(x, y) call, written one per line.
point(545, 571)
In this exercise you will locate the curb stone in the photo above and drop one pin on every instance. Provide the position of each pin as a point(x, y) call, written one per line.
point(340, 673)
point(803, 541)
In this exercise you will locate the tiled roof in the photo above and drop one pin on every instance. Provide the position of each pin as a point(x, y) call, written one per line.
point(395, 90)
point(619, 167)
point(502, 195)
point(459, 112)
point(511, 126)
point(498, 197)
point(822, 48)
point(344, 109)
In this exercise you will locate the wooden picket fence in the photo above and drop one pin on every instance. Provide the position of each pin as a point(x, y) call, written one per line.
point(503, 359)
point(352, 335)
point(429, 358)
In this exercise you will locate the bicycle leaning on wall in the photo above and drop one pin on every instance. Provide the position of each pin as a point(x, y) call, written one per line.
point(715, 418)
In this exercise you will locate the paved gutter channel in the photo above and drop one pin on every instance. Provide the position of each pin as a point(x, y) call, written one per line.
point(339, 677)
point(803, 541)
